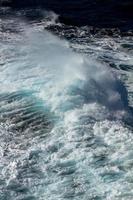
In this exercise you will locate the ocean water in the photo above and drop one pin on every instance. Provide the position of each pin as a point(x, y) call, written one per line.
point(66, 109)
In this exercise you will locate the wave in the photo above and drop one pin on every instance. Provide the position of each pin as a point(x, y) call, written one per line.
point(62, 113)
point(69, 74)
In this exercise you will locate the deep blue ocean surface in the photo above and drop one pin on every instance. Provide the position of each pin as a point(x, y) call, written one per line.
point(66, 100)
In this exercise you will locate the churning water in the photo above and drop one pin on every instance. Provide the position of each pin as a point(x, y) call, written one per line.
point(65, 112)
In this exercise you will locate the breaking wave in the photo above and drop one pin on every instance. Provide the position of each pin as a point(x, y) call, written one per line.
point(63, 114)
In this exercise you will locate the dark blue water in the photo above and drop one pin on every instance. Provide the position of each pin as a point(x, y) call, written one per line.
point(66, 100)
point(99, 13)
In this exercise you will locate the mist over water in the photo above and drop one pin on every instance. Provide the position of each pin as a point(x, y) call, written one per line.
point(65, 112)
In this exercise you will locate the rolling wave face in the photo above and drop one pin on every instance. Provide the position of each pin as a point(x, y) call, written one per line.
point(62, 113)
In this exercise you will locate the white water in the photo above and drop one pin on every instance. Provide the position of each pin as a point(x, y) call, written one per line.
point(86, 151)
